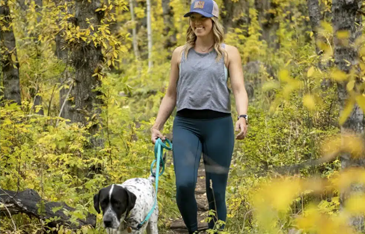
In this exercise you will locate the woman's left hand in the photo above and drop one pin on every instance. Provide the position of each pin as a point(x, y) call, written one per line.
point(242, 127)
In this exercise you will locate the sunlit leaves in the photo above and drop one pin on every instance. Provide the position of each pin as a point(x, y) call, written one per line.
point(338, 75)
point(351, 144)
point(356, 204)
point(347, 110)
point(270, 85)
point(360, 100)
point(309, 101)
point(310, 72)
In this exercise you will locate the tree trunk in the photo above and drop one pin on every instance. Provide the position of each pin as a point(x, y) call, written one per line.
point(149, 34)
point(9, 59)
point(87, 60)
point(134, 31)
point(62, 51)
point(268, 22)
point(236, 15)
point(169, 31)
point(30, 203)
point(37, 99)
point(344, 20)
point(315, 19)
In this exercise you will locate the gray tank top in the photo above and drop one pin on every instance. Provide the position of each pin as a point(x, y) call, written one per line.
point(202, 83)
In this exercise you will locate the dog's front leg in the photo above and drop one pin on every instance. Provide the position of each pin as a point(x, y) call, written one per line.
point(152, 227)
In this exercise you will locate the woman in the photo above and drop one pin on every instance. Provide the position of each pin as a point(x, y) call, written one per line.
point(203, 123)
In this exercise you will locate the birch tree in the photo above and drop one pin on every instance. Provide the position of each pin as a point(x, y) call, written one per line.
point(149, 34)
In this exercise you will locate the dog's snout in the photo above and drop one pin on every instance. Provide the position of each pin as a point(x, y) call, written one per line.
point(108, 223)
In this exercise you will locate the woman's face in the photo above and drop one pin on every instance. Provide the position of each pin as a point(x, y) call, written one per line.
point(201, 25)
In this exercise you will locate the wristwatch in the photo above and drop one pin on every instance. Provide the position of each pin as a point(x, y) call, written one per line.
point(243, 116)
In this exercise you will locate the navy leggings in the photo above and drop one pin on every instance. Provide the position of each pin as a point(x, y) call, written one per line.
point(215, 139)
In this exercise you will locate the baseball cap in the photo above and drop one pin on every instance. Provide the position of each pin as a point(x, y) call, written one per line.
point(207, 8)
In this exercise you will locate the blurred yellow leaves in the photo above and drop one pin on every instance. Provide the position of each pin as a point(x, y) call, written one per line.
point(270, 86)
point(360, 99)
point(338, 75)
point(309, 102)
point(310, 72)
point(273, 198)
point(315, 221)
point(351, 144)
point(343, 34)
point(345, 113)
point(291, 84)
point(279, 194)
point(356, 204)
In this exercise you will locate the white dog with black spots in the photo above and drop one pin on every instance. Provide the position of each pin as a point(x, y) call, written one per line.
point(126, 205)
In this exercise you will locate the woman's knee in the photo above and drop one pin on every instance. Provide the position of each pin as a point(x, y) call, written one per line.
point(185, 189)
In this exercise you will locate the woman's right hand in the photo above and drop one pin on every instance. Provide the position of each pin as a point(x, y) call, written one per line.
point(155, 133)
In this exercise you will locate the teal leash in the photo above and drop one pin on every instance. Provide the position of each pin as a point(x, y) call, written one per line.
point(159, 146)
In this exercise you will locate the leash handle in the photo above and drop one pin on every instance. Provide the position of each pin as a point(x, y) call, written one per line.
point(159, 146)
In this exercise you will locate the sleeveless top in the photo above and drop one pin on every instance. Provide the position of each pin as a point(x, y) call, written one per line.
point(202, 83)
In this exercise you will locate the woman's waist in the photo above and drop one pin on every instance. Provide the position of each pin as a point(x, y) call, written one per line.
point(201, 113)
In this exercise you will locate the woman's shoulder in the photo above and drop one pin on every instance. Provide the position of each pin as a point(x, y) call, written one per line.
point(179, 49)
point(230, 48)
point(177, 54)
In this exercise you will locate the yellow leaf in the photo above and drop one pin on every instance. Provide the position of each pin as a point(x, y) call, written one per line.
point(13, 57)
point(350, 85)
point(310, 71)
point(356, 204)
point(348, 177)
point(270, 85)
point(346, 110)
point(351, 144)
point(326, 26)
point(287, 63)
point(339, 75)
point(279, 194)
point(290, 87)
point(343, 34)
point(309, 102)
point(362, 51)
point(284, 75)
point(360, 99)
point(362, 65)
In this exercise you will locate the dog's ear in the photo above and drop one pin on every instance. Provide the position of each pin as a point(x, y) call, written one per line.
point(131, 201)
point(96, 202)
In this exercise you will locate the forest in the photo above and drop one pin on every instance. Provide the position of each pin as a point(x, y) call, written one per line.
point(82, 82)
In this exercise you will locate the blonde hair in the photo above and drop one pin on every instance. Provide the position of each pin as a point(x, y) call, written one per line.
point(218, 33)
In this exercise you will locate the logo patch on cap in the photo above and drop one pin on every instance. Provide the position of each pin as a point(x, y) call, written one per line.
point(199, 4)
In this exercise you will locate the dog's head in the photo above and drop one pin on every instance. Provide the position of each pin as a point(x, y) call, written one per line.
point(115, 202)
